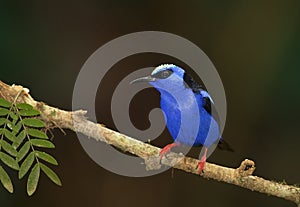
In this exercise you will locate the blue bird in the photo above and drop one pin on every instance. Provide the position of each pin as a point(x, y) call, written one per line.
point(187, 108)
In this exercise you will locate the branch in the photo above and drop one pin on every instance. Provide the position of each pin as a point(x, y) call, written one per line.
point(76, 121)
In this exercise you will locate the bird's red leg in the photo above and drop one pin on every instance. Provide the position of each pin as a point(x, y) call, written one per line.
point(201, 162)
point(167, 148)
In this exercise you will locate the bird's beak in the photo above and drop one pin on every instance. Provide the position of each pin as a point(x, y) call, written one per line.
point(144, 79)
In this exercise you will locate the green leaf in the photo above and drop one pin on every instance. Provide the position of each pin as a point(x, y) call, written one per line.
point(33, 179)
point(31, 112)
point(13, 116)
point(26, 165)
point(21, 136)
point(42, 143)
point(9, 161)
point(37, 133)
point(3, 111)
point(2, 121)
point(9, 135)
point(51, 174)
point(32, 122)
point(6, 181)
point(5, 103)
point(24, 106)
point(46, 157)
point(9, 124)
point(23, 151)
point(8, 148)
point(16, 128)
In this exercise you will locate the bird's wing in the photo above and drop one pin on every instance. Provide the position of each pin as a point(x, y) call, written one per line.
point(197, 88)
point(207, 103)
point(209, 106)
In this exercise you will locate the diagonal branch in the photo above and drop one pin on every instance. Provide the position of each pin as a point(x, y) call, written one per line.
point(76, 121)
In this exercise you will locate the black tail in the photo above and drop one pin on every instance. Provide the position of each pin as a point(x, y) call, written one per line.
point(223, 145)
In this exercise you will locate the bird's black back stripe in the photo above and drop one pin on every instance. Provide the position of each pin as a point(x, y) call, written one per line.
point(191, 83)
point(207, 104)
point(197, 88)
point(210, 108)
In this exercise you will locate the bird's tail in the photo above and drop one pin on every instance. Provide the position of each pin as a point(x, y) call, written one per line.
point(223, 145)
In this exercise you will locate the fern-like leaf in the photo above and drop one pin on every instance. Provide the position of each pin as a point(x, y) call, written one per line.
point(20, 134)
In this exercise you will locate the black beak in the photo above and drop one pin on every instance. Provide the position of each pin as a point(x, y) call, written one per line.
point(143, 79)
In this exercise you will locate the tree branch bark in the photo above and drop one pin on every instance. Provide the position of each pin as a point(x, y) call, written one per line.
point(76, 121)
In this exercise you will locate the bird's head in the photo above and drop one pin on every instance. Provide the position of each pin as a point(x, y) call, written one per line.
point(165, 77)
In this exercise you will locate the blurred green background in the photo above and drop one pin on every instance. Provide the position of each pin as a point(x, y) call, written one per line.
point(254, 45)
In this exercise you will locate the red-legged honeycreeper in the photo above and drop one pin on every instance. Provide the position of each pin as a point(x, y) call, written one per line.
point(187, 108)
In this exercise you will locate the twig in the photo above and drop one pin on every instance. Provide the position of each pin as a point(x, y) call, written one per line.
point(76, 121)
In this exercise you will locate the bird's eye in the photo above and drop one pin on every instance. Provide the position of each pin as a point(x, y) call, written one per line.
point(166, 73)
point(163, 74)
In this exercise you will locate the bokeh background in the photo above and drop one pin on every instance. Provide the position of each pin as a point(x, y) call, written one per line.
point(254, 45)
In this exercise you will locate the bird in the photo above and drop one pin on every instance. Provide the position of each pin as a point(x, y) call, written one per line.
point(188, 110)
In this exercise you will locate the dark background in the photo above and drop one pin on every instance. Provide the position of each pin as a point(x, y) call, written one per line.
point(254, 45)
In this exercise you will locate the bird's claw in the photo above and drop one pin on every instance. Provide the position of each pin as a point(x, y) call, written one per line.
point(200, 166)
point(201, 162)
point(166, 149)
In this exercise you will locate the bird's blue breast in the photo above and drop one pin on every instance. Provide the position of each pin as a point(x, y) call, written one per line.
point(199, 128)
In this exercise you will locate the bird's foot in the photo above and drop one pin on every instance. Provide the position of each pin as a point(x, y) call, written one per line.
point(166, 149)
point(201, 162)
point(200, 166)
